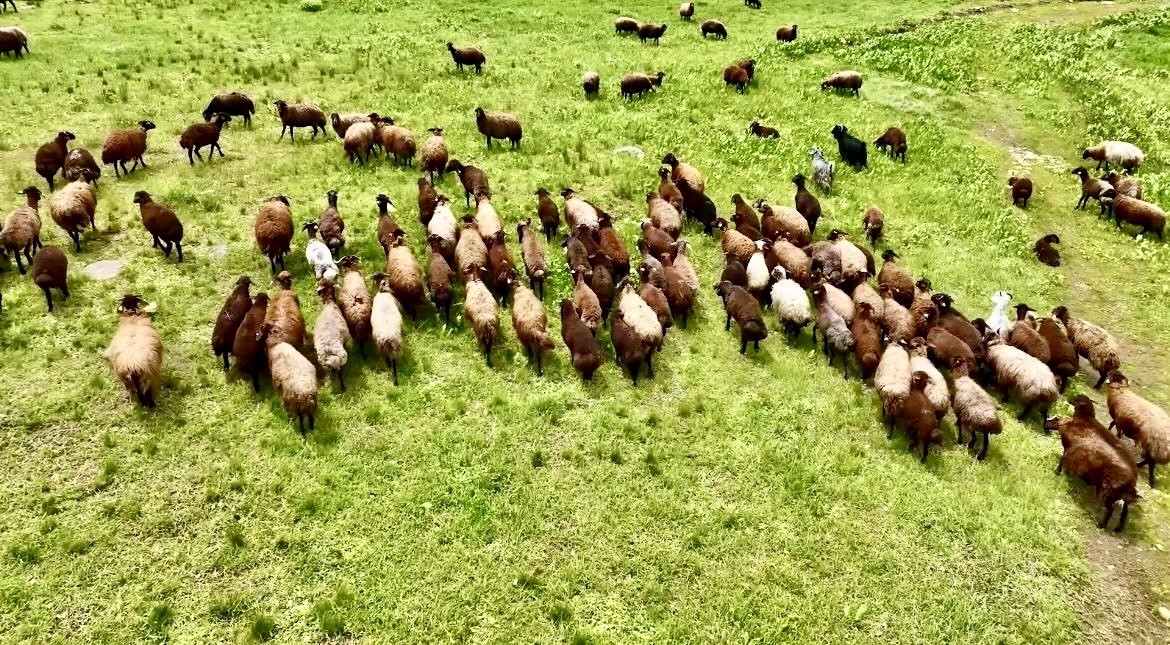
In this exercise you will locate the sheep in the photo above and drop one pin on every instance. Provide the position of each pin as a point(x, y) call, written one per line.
point(749, 66)
point(840, 302)
point(331, 226)
point(745, 218)
point(591, 83)
point(200, 135)
point(579, 212)
point(439, 278)
point(745, 310)
point(227, 323)
point(584, 350)
point(428, 200)
point(232, 104)
point(533, 255)
point(737, 77)
point(686, 10)
point(997, 320)
point(668, 190)
point(1022, 376)
point(623, 25)
point(891, 379)
point(1145, 423)
point(790, 303)
point(763, 131)
point(498, 125)
point(135, 352)
point(651, 270)
point(1150, 217)
point(284, 315)
point(893, 143)
point(806, 203)
point(500, 263)
point(713, 28)
point(612, 245)
point(758, 275)
point(1024, 337)
point(1127, 186)
point(921, 303)
point(318, 255)
point(897, 322)
point(974, 408)
point(683, 263)
point(867, 338)
point(753, 4)
point(331, 333)
point(1094, 343)
point(50, 157)
point(547, 213)
point(248, 343)
point(442, 226)
point(796, 263)
point(296, 380)
point(942, 345)
point(470, 250)
point(12, 40)
point(656, 298)
point(601, 282)
point(359, 139)
point(874, 223)
point(782, 222)
point(474, 180)
point(405, 276)
point(1119, 153)
point(434, 154)
point(663, 215)
point(125, 145)
point(50, 270)
point(467, 56)
point(786, 34)
point(698, 206)
point(72, 208)
point(851, 148)
point(837, 339)
point(1046, 252)
point(529, 320)
point(355, 301)
point(479, 308)
point(855, 263)
point(826, 262)
point(917, 417)
point(822, 170)
point(863, 292)
point(386, 324)
point(678, 284)
point(487, 220)
point(1021, 190)
point(162, 224)
point(847, 80)
point(80, 164)
point(1090, 187)
point(1062, 355)
point(299, 115)
point(936, 390)
point(637, 84)
point(681, 171)
point(734, 242)
point(957, 324)
point(396, 141)
point(1093, 454)
point(388, 229)
point(734, 271)
point(648, 31)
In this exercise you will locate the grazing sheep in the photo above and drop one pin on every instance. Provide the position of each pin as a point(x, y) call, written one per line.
point(1021, 190)
point(442, 226)
point(624, 25)
point(997, 320)
point(1021, 375)
point(847, 80)
point(386, 324)
point(203, 135)
point(529, 320)
point(136, 352)
point(637, 84)
point(863, 292)
point(331, 226)
point(822, 170)
point(470, 250)
point(753, 4)
point(479, 308)
point(1094, 455)
point(405, 276)
point(13, 39)
point(867, 338)
point(1024, 337)
point(957, 324)
point(295, 378)
point(763, 131)
point(1127, 186)
point(591, 83)
point(737, 77)
point(891, 379)
point(284, 315)
point(790, 303)
point(318, 255)
point(227, 323)
point(1150, 217)
point(686, 10)
point(50, 270)
point(248, 343)
point(1135, 417)
point(1090, 187)
point(851, 148)
point(72, 208)
point(612, 246)
point(439, 278)
point(1062, 355)
point(80, 164)
point(584, 350)
point(388, 229)
point(125, 145)
point(467, 56)
point(533, 255)
point(299, 115)
point(474, 180)
point(943, 346)
point(359, 140)
point(648, 31)
point(354, 300)
point(897, 322)
point(663, 215)
point(428, 200)
point(434, 154)
point(396, 141)
point(498, 125)
point(796, 262)
point(1046, 252)
point(50, 157)
point(1094, 343)
point(163, 225)
point(936, 389)
point(782, 222)
point(232, 104)
point(745, 310)
point(975, 410)
point(331, 333)
point(917, 417)
point(713, 28)
point(579, 212)
point(786, 34)
point(681, 171)
point(806, 203)
point(893, 143)
point(921, 303)
point(1118, 153)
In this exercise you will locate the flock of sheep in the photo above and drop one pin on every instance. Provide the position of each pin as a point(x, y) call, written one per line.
point(899, 332)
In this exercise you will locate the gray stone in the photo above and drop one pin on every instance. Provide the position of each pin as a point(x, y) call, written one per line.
point(218, 252)
point(104, 269)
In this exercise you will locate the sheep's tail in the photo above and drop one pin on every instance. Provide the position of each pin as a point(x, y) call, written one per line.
point(543, 340)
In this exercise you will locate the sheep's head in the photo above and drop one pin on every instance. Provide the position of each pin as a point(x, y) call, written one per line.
point(816, 153)
point(385, 204)
point(658, 78)
point(438, 132)
point(331, 196)
point(349, 262)
point(65, 135)
point(146, 126)
point(325, 290)
point(943, 301)
point(1083, 406)
point(1116, 380)
point(284, 279)
point(568, 193)
point(670, 160)
point(379, 280)
point(1081, 172)
point(280, 198)
point(889, 255)
point(1088, 153)
point(142, 197)
point(311, 227)
point(839, 131)
point(922, 284)
point(243, 281)
point(450, 47)
point(455, 166)
point(130, 303)
point(480, 115)
point(222, 118)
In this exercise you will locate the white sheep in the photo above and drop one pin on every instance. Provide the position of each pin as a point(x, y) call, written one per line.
point(331, 334)
point(790, 302)
point(997, 320)
point(757, 271)
point(319, 255)
point(1118, 153)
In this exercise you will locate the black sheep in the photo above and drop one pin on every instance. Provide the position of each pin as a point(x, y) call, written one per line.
point(852, 149)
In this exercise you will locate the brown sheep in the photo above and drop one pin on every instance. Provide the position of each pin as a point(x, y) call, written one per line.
point(470, 250)
point(284, 315)
point(584, 350)
point(405, 276)
point(656, 299)
point(746, 214)
point(1094, 343)
point(897, 322)
point(547, 212)
point(957, 324)
point(136, 352)
point(623, 26)
point(846, 80)
point(893, 143)
point(1148, 216)
point(1091, 187)
point(467, 56)
point(22, 228)
point(867, 338)
point(763, 131)
point(500, 263)
point(360, 138)
point(299, 115)
point(737, 77)
point(231, 103)
point(72, 208)
point(874, 223)
point(612, 245)
point(388, 229)
point(331, 226)
point(1021, 190)
point(585, 300)
point(1135, 417)
point(125, 145)
point(1046, 252)
point(917, 416)
point(682, 171)
point(80, 164)
point(439, 278)
point(796, 262)
point(668, 190)
point(1127, 186)
point(50, 269)
point(628, 348)
point(474, 180)
point(397, 142)
point(200, 135)
point(428, 199)
point(342, 122)
point(529, 320)
point(295, 378)
point(480, 310)
point(658, 242)
point(942, 346)
point(227, 323)
point(713, 28)
point(602, 283)
point(783, 222)
point(591, 83)
point(354, 300)
point(663, 215)
point(498, 125)
point(786, 34)
point(745, 310)
point(248, 344)
point(648, 31)
point(637, 84)
point(532, 252)
point(50, 158)
point(1062, 355)
point(434, 154)
point(897, 279)
point(807, 203)
point(162, 224)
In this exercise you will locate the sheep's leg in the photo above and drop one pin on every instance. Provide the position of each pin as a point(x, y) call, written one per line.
point(650, 364)
point(1108, 514)
point(225, 361)
point(1060, 465)
point(167, 250)
point(116, 173)
point(282, 129)
point(123, 164)
point(272, 263)
point(19, 264)
point(1150, 465)
point(727, 326)
point(1100, 381)
point(140, 160)
point(48, 298)
point(312, 422)
point(191, 157)
point(301, 423)
point(1124, 515)
point(1024, 414)
point(925, 450)
point(255, 380)
point(742, 345)
point(959, 432)
point(986, 443)
point(394, 368)
point(76, 240)
point(489, 141)
point(634, 369)
point(65, 291)
point(539, 366)
point(179, 246)
point(220, 148)
point(487, 354)
point(341, 379)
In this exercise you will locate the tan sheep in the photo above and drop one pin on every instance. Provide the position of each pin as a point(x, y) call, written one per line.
point(296, 380)
point(72, 208)
point(585, 301)
point(663, 215)
point(480, 309)
point(274, 229)
point(487, 220)
point(284, 315)
point(386, 324)
point(405, 276)
point(685, 172)
point(127, 144)
point(936, 390)
point(136, 352)
point(530, 321)
point(22, 228)
point(434, 154)
point(470, 250)
point(1135, 417)
point(1092, 342)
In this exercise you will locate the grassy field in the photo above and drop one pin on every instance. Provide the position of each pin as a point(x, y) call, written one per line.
point(730, 499)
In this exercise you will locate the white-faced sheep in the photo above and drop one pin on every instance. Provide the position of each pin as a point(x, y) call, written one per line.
point(299, 115)
point(136, 352)
point(162, 224)
point(1150, 217)
point(936, 390)
point(434, 154)
point(822, 170)
point(295, 378)
point(318, 255)
point(891, 379)
point(997, 321)
point(284, 315)
point(467, 57)
point(1022, 376)
point(22, 228)
point(128, 144)
point(386, 324)
point(354, 300)
point(50, 269)
point(481, 311)
point(498, 125)
point(203, 135)
point(273, 229)
point(72, 208)
point(1135, 417)
point(745, 310)
point(227, 322)
point(848, 80)
point(1094, 343)
point(757, 273)
point(975, 410)
point(1118, 153)
point(918, 417)
point(638, 83)
point(230, 103)
point(50, 157)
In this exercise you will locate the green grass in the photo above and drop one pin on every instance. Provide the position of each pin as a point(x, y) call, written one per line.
point(729, 499)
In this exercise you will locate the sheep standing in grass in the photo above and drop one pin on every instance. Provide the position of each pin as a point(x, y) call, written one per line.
point(648, 31)
point(1024, 337)
point(1021, 190)
point(1062, 354)
point(975, 410)
point(318, 255)
point(790, 303)
point(13, 40)
point(397, 142)
point(713, 28)
point(822, 170)
point(72, 208)
point(742, 307)
point(892, 381)
point(936, 389)
point(294, 377)
point(532, 252)
point(579, 212)
point(474, 180)
point(897, 323)
point(299, 115)
point(1150, 217)
point(331, 333)
point(386, 324)
point(851, 148)
point(591, 83)
point(786, 34)
point(837, 339)
point(50, 157)
point(917, 417)
point(354, 300)
point(467, 57)
point(1021, 375)
point(585, 301)
point(80, 164)
point(232, 104)
point(997, 321)
point(203, 135)
point(874, 224)
point(1118, 153)
point(1091, 187)
point(22, 228)
point(637, 84)
point(128, 144)
point(405, 276)
point(642, 318)
point(679, 289)
point(136, 352)
point(1147, 424)
point(584, 350)
point(628, 348)
point(529, 320)
point(440, 278)
point(686, 10)
point(50, 269)
point(273, 229)
point(624, 26)
point(284, 315)
point(1126, 185)
point(848, 80)
point(359, 140)
point(248, 343)
point(387, 229)
point(546, 211)
point(428, 200)
point(331, 226)
point(498, 125)
point(1094, 343)
point(162, 224)
point(612, 246)
point(442, 226)
point(737, 77)
point(227, 323)
point(434, 154)
point(481, 311)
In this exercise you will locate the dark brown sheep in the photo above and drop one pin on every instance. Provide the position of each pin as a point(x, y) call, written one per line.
point(737, 77)
point(428, 199)
point(248, 346)
point(467, 57)
point(612, 245)
point(439, 278)
point(786, 34)
point(713, 28)
point(299, 115)
point(50, 157)
point(162, 224)
point(591, 83)
point(846, 80)
point(917, 416)
point(232, 104)
point(125, 145)
point(648, 31)
point(1148, 216)
point(1091, 187)
point(13, 39)
point(874, 223)
point(893, 143)
point(602, 282)
point(500, 263)
point(807, 203)
point(896, 279)
point(763, 131)
point(867, 339)
point(231, 315)
point(628, 347)
point(50, 270)
point(22, 228)
point(624, 26)
point(584, 349)
point(388, 229)
point(943, 346)
point(273, 229)
point(957, 324)
point(434, 154)
point(1021, 190)
point(550, 216)
point(80, 164)
point(498, 125)
point(532, 252)
point(668, 190)
point(637, 84)
point(1046, 252)
point(200, 135)
point(474, 180)
point(331, 226)
point(1062, 355)
point(744, 308)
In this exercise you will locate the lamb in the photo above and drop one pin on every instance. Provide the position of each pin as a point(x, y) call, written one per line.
point(500, 264)
point(299, 115)
point(1090, 187)
point(893, 143)
point(331, 226)
point(355, 301)
point(546, 211)
point(680, 171)
point(936, 389)
point(957, 324)
point(974, 408)
point(232, 104)
point(136, 352)
point(1150, 217)
point(1062, 355)
point(359, 140)
point(80, 164)
point(680, 286)
point(479, 308)
point(529, 320)
point(248, 343)
point(125, 145)
point(867, 338)
point(668, 190)
point(231, 315)
point(917, 417)
point(1024, 337)
point(331, 334)
point(1135, 417)
point(163, 225)
point(847, 80)
point(997, 320)
point(591, 83)
point(203, 135)
point(388, 229)
point(13, 39)
point(532, 253)
point(72, 208)
point(434, 154)
point(648, 31)
point(470, 250)
point(822, 170)
point(1127, 186)
point(837, 339)
point(637, 84)
point(584, 350)
point(1119, 153)
point(782, 222)
point(1046, 252)
point(794, 260)
point(50, 269)
point(1022, 376)
point(897, 322)
point(474, 180)
point(442, 226)
point(686, 10)
point(467, 56)
point(405, 276)
point(851, 148)
point(786, 34)
point(763, 131)
point(284, 317)
point(663, 215)
point(1021, 190)
point(745, 309)
point(737, 77)
point(318, 255)
point(713, 28)
point(498, 125)
point(397, 142)
point(863, 292)
point(806, 203)
point(874, 223)
point(386, 324)
point(624, 25)
point(50, 157)
point(439, 278)
point(1092, 342)
point(612, 246)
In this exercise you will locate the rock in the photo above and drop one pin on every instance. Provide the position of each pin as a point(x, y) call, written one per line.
point(104, 269)
point(1164, 612)
point(632, 151)
point(218, 252)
